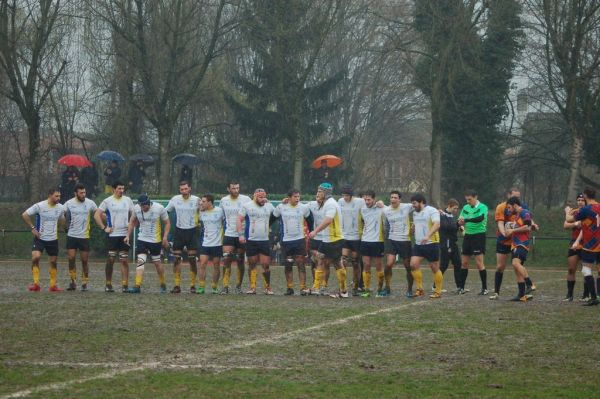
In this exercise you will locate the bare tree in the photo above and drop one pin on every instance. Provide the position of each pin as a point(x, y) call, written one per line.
point(28, 46)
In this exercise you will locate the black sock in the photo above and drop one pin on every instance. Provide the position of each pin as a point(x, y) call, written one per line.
point(521, 289)
point(589, 281)
point(528, 282)
point(483, 277)
point(457, 276)
point(570, 287)
point(586, 291)
point(267, 276)
point(463, 277)
point(498, 281)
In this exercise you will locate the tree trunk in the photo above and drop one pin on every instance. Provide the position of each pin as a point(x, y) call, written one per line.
point(164, 161)
point(575, 157)
point(435, 190)
point(298, 157)
point(33, 181)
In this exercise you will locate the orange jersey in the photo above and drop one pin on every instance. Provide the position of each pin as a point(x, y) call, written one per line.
point(502, 215)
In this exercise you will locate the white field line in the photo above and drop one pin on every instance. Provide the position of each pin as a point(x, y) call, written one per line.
point(120, 370)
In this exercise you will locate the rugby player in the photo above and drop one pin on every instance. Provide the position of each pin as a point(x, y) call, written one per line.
point(49, 213)
point(519, 231)
point(590, 243)
point(186, 206)
point(574, 254)
point(292, 216)
point(426, 221)
point(212, 219)
point(371, 225)
point(473, 217)
point(79, 211)
point(116, 211)
point(330, 248)
point(397, 243)
point(150, 217)
point(449, 250)
point(233, 250)
point(257, 216)
point(350, 207)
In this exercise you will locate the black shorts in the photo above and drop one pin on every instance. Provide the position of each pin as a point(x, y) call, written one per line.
point(574, 252)
point(314, 244)
point(401, 248)
point(254, 248)
point(51, 247)
point(502, 248)
point(150, 248)
point(587, 257)
point(332, 250)
point(431, 252)
point(212, 252)
point(352, 245)
point(117, 244)
point(519, 253)
point(233, 242)
point(293, 248)
point(82, 244)
point(474, 244)
point(371, 249)
point(187, 238)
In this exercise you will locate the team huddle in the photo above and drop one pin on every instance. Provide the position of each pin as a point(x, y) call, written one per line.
point(355, 232)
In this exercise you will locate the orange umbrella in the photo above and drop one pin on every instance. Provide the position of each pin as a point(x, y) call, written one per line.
point(331, 160)
point(75, 160)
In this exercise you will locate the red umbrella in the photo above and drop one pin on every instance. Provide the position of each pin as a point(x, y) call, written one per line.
point(75, 160)
point(331, 160)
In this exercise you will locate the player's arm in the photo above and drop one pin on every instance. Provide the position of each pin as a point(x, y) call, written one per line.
point(577, 241)
point(99, 217)
point(326, 222)
point(167, 227)
point(27, 219)
point(240, 223)
point(62, 222)
point(133, 222)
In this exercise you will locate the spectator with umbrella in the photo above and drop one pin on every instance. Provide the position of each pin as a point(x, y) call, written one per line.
point(112, 173)
point(136, 176)
point(187, 160)
point(324, 165)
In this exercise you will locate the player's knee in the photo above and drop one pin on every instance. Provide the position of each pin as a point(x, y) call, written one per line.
point(155, 258)
point(112, 255)
point(123, 255)
point(586, 271)
point(141, 260)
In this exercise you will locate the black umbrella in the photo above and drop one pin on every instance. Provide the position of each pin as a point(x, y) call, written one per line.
point(186, 159)
point(142, 157)
point(108, 155)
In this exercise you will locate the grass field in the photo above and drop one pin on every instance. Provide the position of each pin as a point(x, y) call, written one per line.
point(97, 345)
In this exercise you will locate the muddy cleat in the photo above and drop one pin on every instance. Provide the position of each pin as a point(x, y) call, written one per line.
point(251, 291)
point(304, 292)
point(109, 288)
point(409, 294)
point(435, 295)
point(355, 292)
point(134, 290)
point(388, 291)
point(339, 295)
point(238, 290)
point(529, 290)
point(224, 291)
point(200, 291)
point(419, 292)
point(461, 291)
point(366, 294)
point(381, 294)
point(584, 299)
point(591, 302)
point(176, 290)
point(163, 289)
point(269, 291)
point(84, 287)
point(517, 298)
point(72, 286)
point(33, 287)
point(289, 291)
point(494, 296)
point(125, 289)
point(193, 289)
point(215, 291)
point(55, 288)
point(567, 299)
point(483, 291)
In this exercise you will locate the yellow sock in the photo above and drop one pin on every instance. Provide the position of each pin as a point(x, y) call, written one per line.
point(202, 283)
point(388, 278)
point(138, 280)
point(253, 279)
point(380, 278)
point(214, 285)
point(53, 273)
point(73, 275)
point(367, 280)
point(318, 277)
point(84, 279)
point(177, 279)
point(290, 284)
point(35, 271)
point(161, 279)
point(438, 277)
point(418, 276)
point(108, 282)
point(226, 275)
point(192, 279)
point(125, 283)
point(341, 276)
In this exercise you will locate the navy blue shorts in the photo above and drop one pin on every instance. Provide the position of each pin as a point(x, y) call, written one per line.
point(82, 244)
point(233, 242)
point(254, 248)
point(371, 249)
point(117, 244)
point(352, 245)
point(187, 238)
point(314, 244)
point(587, 257)
point(401, 248)
point(212, 252)
point(332, 250)
point(502, 248)
point(51, 247)
point(151, 248)
point(294, 248)
point(431, 252)
point(520, 253)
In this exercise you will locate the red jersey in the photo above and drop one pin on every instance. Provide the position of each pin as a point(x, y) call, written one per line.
point(589, 226)
point(521, 239)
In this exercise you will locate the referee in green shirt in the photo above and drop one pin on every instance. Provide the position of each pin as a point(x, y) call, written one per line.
point(474, 217)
